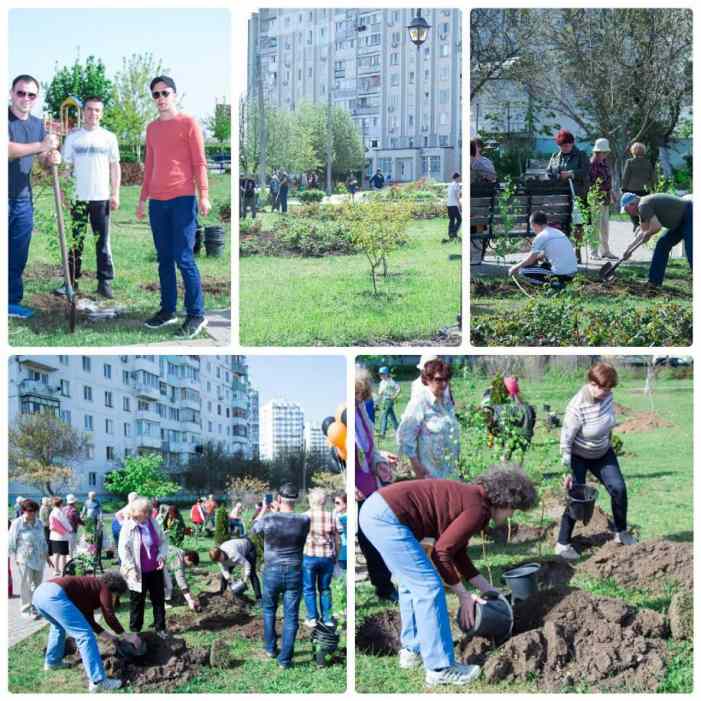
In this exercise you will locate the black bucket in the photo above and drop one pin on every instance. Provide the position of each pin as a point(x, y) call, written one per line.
point(199, 238)
point(522, 580)
point(214, 240)
point(325, 639)
point(128, 650)
point(493, 620)
point(580, 502)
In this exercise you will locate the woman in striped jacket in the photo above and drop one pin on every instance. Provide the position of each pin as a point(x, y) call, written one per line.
point(585, 444)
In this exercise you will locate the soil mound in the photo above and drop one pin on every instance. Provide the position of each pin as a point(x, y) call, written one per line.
point(621, 409)
point(219, 611)
point(379, 634)
point(647, 421)
point(650, 565)
point(567, 637)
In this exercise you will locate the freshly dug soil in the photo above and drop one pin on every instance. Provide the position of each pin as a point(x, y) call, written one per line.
point(566, 637)
point(647, 421)
point(597, 532)
point(553, 572)
point(379, 634)
point(219, 611)
point(650, 565)
point(621, 409)
point(520, 533)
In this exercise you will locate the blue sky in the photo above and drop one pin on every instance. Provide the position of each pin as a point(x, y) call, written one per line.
point(317, 383)
point(193, 44)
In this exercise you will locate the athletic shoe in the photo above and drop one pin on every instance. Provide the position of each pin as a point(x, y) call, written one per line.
point(566, 552)
point(106, 685)
point(408, 659)
point(27, 614)
point(624, 538)
point(458, 675)
point(610, 256)
point(192, 327)
point(54, 667)
point(392, 597)
point(310, 622)
point(167, 605)
point(17, 311)
point(161, 319)
point(104, 288)
point(62, 290)
point(272, 654)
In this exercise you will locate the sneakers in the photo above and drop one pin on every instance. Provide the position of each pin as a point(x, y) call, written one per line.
point(610, 256)
point(104, 289)
point(161, 319)
point(106, 685)
point(458, 675)
point(27, 614)
point(310, 622)
point(54, 667)
point(17, 311)
point(192, 327)
point(566, 552)
point(272, 654)
point(61, 291)
point(167, 605)
point(624, 538)
point(408, 659)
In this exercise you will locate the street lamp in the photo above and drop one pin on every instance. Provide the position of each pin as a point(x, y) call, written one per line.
point(418, 29)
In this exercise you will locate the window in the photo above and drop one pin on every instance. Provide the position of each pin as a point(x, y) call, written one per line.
point(127, 452)
point(86, 363)
point(445, 50)
point(108, 399)
point(87, 422)
point(63, 359)
point(109, 426)
point(87, 393)
point(92, 479)
point(443, 119)
point(209, 426)
point(127, 430)
point(394, 59)
point(125, 377)
point(66, 416)
point(109, 452)
point(91, 452)
point(444, 72)
point(107, 371)
point(443, 97)
point(65, 388)
point(126, 404)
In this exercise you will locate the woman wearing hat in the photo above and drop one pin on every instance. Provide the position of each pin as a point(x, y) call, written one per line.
point(600, 176)
point(638, 176)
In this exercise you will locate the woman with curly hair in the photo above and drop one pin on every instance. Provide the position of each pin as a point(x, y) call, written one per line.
point(397, 517)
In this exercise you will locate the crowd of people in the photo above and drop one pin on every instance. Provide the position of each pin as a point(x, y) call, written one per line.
point(174, 188)
point(301, 554)
point(414, 532)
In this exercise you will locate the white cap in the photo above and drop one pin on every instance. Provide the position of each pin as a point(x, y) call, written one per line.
point(70, 499)
point(601, 146)
point(19, 500)
point(426, 359)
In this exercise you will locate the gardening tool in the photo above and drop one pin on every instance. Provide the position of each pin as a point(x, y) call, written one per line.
point(493, 619)
point(577, 216)
point(608, 269)
point(518, 284)
point(522, 580)
point(580, 502)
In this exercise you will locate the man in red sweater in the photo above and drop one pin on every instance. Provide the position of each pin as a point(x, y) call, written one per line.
point(175, 167)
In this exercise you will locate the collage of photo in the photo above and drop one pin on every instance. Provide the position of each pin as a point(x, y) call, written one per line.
point(508, 508)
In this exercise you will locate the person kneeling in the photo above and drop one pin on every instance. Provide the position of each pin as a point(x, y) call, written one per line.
point(177, 560)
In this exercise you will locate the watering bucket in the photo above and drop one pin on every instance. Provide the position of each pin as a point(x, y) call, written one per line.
point(325, 641)
point(522, 580)
point(580, 502)
point(493, 619)
point(214, 240)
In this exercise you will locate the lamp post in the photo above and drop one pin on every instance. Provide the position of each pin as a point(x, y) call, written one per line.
point(418, 29)
point(418, 33)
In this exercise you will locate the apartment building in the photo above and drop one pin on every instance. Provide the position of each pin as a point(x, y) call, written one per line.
point(314, 439)
point(405, 101)
point(281, 428)
point(131, 404)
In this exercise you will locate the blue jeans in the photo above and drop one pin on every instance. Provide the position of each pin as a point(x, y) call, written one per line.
point(282, 200)
point(388, 415)
point(665, 243)
point(422, 602)
point(285, 580)
point(21, 223)
point(317, 573)
point(173, 223)
point(64, 618)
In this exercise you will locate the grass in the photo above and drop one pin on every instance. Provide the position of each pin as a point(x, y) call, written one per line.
point(659, 482)
point(136, 286)
point(253, 670)
point(330, 301)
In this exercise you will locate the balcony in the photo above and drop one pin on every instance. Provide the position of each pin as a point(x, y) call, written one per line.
point(189, 403)
point(148, 414)
point(150, 442)
point(192, 426)
point(43, 363)
point(146, 391)
point(361, 111)
point(34, 388)
point(146, 363)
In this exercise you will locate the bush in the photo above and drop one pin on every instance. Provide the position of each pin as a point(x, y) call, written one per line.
point(224, 211)
point(313, 239)
point(221, 526)
point(312, 195)
point(132, 173)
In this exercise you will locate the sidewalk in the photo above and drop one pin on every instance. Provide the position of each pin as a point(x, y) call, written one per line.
point(19, 628)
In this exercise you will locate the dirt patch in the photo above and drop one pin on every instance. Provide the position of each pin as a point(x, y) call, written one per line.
point(621, 409)
point(648, 421)
point(212, 287)
point(567, 637)
point(650, 565)
point(594, 534)
point(379, 634)
point(219, 611)
point(520, 533)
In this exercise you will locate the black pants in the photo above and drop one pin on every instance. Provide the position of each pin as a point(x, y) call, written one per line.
point(152, 584)
point(454, 221)
point(608, 472)
point(97, 212)
point(540, 274)
point(251, 557)
point(246, 204)
point(379, 574)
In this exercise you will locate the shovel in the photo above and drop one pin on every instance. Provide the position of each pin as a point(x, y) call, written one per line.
point(608, 269)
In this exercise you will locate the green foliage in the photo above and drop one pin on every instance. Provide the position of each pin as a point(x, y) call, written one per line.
point(502, 244)
point(79, 81)
point(312, 195)
point(221, 525)
point(141, 474)
point(617, 445)
point(679, 677)
point(219, 124)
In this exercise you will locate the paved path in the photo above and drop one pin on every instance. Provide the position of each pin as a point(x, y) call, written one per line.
point(19, 628)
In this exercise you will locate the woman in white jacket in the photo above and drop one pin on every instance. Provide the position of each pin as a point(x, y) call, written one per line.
point(60, 532)
point(142, 551)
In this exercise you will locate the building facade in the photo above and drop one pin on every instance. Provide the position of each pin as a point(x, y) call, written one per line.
point(314, 439)
point(133, 404)
point(405, 101)
point(281, 429)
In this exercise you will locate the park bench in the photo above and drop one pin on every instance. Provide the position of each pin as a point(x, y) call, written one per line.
point(486, 221)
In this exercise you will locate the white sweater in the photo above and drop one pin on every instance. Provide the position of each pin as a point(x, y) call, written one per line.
point(586, 429)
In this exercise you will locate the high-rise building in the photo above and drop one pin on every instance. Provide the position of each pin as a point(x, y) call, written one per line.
point(132, 404)
point(281, 429)
point(406, 101)
point(254, 422)
point(314, 439)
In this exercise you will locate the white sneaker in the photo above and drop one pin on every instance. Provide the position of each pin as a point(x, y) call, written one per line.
point(458, 675)
point(54, 667)
point(408, 659)
point(106, 685)
point(566, 552)
point(310, 622)
point(624, 538)
point(27, 614)
point(167, 605)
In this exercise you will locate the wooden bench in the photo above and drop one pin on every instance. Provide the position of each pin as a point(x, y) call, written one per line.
point(486, 221)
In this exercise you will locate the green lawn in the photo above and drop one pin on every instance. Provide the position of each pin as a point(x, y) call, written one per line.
point(253, 671)
point(330, 301)
point(659, 482)
point(136, 286)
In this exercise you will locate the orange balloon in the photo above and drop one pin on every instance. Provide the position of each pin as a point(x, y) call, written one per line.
point(336, 434)
point(342, 453)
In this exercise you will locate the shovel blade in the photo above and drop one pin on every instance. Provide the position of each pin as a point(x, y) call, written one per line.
point(606, 271)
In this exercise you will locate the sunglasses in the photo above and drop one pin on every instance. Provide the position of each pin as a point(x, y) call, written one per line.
point(160, 93)
point(22, 93)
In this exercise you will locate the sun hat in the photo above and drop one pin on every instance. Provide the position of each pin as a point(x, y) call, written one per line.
point(384, 370)
point(426, 359)
point(70, 499)
point(511, 384)
point(626, 199)
point(601, 146)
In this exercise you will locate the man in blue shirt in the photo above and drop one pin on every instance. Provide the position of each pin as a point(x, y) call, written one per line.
point(27, 138)
point(378, 180)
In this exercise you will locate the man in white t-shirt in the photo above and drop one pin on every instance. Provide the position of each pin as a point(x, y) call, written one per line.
point(552, 258)
point(454, 208)
point(93, 153)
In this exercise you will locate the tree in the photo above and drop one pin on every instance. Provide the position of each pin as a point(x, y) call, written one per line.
point(80, 81)
point(41, 446)
point(219, 124)
point(221, 525)
point(141, 474)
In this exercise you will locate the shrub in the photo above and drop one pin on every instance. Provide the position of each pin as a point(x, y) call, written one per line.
point(248, 490)
point(132, 173)
point(334, 482)
point(224, 211)
point(313, 239)
point(221, 525)
point(312, 195)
